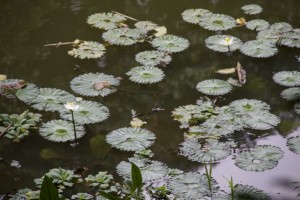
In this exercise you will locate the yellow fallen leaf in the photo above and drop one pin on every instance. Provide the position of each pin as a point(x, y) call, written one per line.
point(3, 77)
point(241, 21)
point(136, 122)
point(160, 31)
point(226, 71)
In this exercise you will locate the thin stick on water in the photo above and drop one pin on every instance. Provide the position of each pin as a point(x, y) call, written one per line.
point(230, 54)
point(75, 135)
point(58, 44)
point(5, 131)
point(128, 17)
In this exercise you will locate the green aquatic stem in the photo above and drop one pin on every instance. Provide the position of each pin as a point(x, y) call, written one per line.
point(208, 174)
point(230, 182)
point(75, 135)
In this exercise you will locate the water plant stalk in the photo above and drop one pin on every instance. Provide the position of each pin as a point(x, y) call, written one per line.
point(231, 188)
point(75, 135)
point(208, 174)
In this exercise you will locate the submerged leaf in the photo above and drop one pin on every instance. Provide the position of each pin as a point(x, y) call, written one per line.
point(105, 21)
point(88, 112)
point(287, 78)
point(293, 144)
point(151, 170)
point(194, 15)
point(122, 36)
point(191, 186)
point(60, 131)
point(88, 50)
point(259, 49)
point(259, 159)
point(145, 74)
point(153, 58)
point(214, 87)
point(130, 139)
point(216, 43)
point(252, 9)
point(210, 151)
point(94, 84)
point(257, 25)
point(217, 22)
point(291, 94)
point(170, 43)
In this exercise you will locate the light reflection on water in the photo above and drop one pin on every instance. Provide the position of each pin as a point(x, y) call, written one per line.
point(27, 26)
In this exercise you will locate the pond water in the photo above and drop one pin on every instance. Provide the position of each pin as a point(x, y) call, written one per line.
point(27, 25)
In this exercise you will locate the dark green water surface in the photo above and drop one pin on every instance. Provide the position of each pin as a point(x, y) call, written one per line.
point(26, 25)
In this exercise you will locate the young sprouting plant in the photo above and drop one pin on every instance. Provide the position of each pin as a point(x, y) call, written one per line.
point(231, 185)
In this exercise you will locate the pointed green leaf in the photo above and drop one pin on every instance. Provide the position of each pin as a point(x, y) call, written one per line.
point(48, 190)
point(137, 180)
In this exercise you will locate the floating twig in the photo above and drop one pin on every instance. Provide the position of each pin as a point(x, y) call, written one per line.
point(75, 42)
point(128, 17)
point(5, 131)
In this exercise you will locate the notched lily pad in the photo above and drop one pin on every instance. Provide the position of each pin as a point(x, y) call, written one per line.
point(218, 43)
point(145, 74)
point(261, 158)
point(95, 84)
point(217, 22)
point(28, 93)
point(287, 78)
point(89, 50)
point(291, 94)
point(257, 25)
point(293, 144)
point(130, 139)
point(252, 9)
point(193, 16)
point(214, 87)
point(146, 26)
point(122, 36)
point(60, 131)
point(153, 58)
point(105, 21)
point(170, 43)
point(259, 49)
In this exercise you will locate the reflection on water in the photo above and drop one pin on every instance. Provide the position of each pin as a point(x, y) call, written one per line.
point(26, 26)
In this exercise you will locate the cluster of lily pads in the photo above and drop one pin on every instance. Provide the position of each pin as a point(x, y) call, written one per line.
point(118, 33)
point(268, 36)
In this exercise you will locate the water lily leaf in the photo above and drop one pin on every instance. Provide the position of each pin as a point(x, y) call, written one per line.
point(60, 131)
point(170, 43)
point(105, 21)
point(293, 144)
point(259, 49)
point(291, 39)
point(210, 151)
point(261, 120)
point(297, 108)
point(194, 15)
point(122, 36)
point(244, 106)
point(28, 93)
point(94, 84)
point(244, 192)
point(153, 58)
point(291, 94)
point(217, 22)
point(130, 139)
point(88, 49)
point(214, 87)
point(287, 78)
point(269, 35)
point(145, 74)
point(226, 71)
point(259, 159)
point(145, 26)
point(252, 9)
point(281, 27)
point(216, 43)
point(88, 112)
point(191, 186)
point(257, 25)
point(160, 31)
point(151, 170)
point(82, 196)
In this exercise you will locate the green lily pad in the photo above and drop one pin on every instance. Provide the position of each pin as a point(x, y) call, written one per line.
point(214, 87)
point(258, 25)
point(217, 22)
point(259, 49)
point(122, 36)
point(217, 43)
point(287, 78)
point(89, 50)
point(252, 9)
point(293, 144)
point(153, 58)
point(193, 16)
point(291, 94)
point(170, 43)
point(105, 21)
point(145, 74)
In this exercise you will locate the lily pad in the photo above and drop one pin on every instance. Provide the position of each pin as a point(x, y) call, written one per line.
point(252, 9)
point(261, 120)
point(145, 74)
point(105, 21)
point(153, 58)
point(88, 112)
point(51, 99)
point(214, 87)
point(170, 43)
point(130, 139)
point(88, 50)
point(28, 93)
point(291, 94)
point(287, 78)
point(261, 158)
point(217, 22)
point(191, 186)
point(146, 26)
point(259, 49)
point(243, 106)
point(151, 170)
point(291, 39)
point(193, 16)
point(217, 43)
point(122, 36)
point(281, 27)
point(60, 131)
point(94, 84)
point(258, 25)
point(297, 108)
point(293, 144)
point(210, 151)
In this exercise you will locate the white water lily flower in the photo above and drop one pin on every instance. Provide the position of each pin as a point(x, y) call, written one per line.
point(71, 106)
point(227, 41)
point(136, 122)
